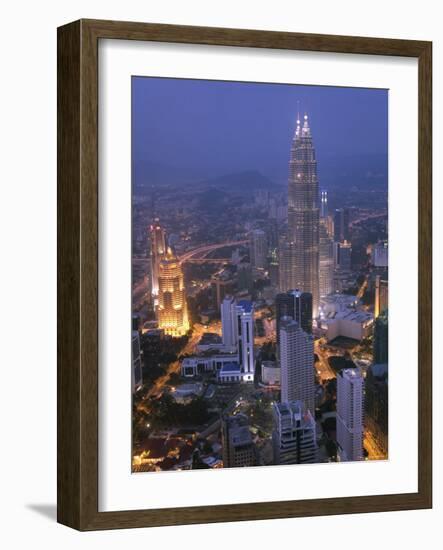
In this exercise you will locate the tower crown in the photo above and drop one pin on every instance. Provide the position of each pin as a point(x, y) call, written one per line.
point(306, 130)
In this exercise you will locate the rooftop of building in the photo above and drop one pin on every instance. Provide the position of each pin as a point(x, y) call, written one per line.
point(233, 368)
point(270, 364)
point(240, 435)
point(293, 411)
point(210, 338)
point(206, 355)
point(238, 428)
point(188, 389)
point(340, 299)
point(351, 374)
point(379, 370)
point(358, 316)
point(246, 305)
point(353, 315)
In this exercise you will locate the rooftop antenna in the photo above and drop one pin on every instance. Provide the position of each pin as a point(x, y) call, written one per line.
point(297, 130)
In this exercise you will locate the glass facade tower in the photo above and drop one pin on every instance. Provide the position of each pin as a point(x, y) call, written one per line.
point(303, 212)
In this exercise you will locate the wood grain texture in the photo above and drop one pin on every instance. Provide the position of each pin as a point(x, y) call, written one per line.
point(68, 275)
point(78, 274)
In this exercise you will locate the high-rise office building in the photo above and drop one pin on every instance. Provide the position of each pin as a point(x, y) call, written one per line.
point(157, 237)
point(222, 284)
point(342, 255)
point(238, 448)
point(293, 436)
point(350, 414)
point(381, 338)
point(172, 307)
point(258, 248)
point(238, 333)
point(294, 304)
point(273, 267)
point(271, 230)
point(286, 261)
point(136, 322)
point(381, 296)
point(228, 313)
point(297, 364)
point(303, 212)
point(341, 225)
point(323, 204)
point(245, 280)
point(136, 375)
point(376, 404)
point(380, 254)
point(326, 253)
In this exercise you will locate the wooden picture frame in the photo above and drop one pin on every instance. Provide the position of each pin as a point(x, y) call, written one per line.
point(78, 274)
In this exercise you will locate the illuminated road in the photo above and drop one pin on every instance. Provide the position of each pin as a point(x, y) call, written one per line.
point(324, 370)
point(203, 250)
point(368, 217)
point(158, 386)
point(362, 288)
point(138, 294)
point(207, 260)
point(372, 447)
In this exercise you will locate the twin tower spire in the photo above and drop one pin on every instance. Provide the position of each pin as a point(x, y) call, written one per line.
point(302, 131)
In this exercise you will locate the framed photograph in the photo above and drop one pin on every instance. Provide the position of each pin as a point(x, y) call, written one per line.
point(244, 275)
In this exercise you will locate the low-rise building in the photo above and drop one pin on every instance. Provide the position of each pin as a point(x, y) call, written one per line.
point(198, 365)
point(187, 392)
point(270, 373)
point(232, 372)
point(333, 303)
point(353, 324)
point(210, 341)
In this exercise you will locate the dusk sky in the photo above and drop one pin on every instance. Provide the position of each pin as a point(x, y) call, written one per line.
point(212, 128)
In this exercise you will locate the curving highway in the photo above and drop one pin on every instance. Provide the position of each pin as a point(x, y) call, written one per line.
point(202, 251)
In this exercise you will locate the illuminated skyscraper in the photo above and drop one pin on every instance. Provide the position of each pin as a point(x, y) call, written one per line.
point(350, 414)
point(341, 225)
point(137, 377)
point(172, 309)
point(381, 296)
point(286, 262)
point(376, 404)
point(258, 249)
point(297, 364)
point(326, 270)
point(323, 203)
point(380, 254)
point(157, 236)
point(298, 306)
point(303, 212)
point(238, 333)
point(342, 255)
point(381, 338)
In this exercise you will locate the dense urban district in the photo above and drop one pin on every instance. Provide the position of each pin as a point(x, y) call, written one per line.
point(260, 320)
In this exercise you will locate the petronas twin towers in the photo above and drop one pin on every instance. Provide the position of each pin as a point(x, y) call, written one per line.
point(303, 214)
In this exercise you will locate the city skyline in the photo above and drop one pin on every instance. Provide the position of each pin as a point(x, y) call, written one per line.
point(259, 309)
point(177, 121)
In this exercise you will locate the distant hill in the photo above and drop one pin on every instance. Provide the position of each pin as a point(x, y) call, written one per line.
point(211, 200)
point(360, 171)
point(146, 174)
point(240, 182)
